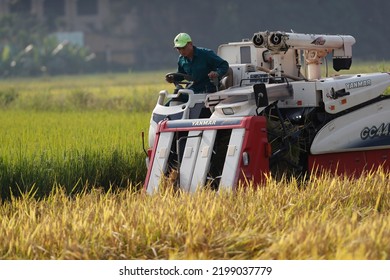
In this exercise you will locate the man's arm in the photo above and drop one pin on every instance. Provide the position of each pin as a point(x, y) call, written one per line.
point(220, 65)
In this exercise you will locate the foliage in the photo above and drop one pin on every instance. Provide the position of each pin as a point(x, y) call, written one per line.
point(26, 49)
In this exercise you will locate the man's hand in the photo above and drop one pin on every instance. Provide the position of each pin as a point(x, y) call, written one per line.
point(213, 75)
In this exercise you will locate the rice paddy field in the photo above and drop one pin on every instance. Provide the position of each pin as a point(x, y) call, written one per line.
point(72, 166)
point(72, 131)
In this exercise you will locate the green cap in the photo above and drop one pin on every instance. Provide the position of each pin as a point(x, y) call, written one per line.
point(181, 40)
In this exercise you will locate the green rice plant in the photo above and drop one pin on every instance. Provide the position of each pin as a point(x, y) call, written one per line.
point(358, 67)
point(41, 149)
point(7, 97)
point(72, 130)
point(133, 92)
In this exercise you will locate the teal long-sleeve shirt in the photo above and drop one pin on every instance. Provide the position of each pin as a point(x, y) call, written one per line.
point(203, 62)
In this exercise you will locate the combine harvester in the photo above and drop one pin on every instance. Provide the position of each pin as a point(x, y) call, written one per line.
point(273, 114)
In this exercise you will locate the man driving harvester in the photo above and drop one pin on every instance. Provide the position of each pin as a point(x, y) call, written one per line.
point(204, 66)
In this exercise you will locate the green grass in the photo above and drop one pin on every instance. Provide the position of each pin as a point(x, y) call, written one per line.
point(359, 67)
point(72, 131)
point(133, 92)
point(41, 149)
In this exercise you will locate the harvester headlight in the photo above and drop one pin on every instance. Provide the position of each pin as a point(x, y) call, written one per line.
point(276, 38)
point(258, 40)
point(228, 111)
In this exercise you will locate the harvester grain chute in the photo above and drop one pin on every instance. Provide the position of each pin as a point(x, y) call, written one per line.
point(274, 113)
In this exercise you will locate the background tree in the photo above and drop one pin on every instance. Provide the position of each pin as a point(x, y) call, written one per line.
point(27, 49)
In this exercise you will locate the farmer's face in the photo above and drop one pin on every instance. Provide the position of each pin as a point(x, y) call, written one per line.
point(186, 50)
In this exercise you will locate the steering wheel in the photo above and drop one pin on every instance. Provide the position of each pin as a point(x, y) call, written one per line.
point(186, 79)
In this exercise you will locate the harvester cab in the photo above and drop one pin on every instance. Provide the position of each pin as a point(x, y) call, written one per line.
point(277, 115)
